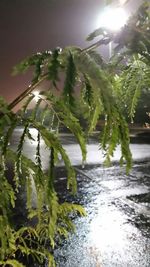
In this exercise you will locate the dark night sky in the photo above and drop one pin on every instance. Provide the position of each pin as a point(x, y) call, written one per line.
point(29, 26)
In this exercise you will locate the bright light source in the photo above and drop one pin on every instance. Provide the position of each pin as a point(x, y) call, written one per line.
point(112, 18)
point(36, 95)
point(122, 2)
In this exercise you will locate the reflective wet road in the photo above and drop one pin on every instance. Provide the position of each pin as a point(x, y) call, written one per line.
point(116, 232)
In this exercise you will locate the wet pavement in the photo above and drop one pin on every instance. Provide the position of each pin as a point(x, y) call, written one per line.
point(116, 231)
point(140, 151)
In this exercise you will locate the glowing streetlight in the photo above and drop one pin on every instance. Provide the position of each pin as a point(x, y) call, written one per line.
point(112, 18)
point(36, 95)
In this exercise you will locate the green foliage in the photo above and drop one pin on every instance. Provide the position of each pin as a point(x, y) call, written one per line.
point(53, 67)
point(70, 81)
point(132, 81)
point(72, 123)
point(110, 90)
point(37, 61)
point(87, 92)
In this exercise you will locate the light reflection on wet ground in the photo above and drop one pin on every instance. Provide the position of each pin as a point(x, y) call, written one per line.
point(140, 152)
point(116, 232)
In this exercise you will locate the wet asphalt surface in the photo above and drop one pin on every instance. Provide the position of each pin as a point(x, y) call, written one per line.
point(116, 230)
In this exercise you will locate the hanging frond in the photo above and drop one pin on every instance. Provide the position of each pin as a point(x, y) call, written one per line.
point(87, 92)
point(70, 81)
point(44, 113)
point(50, 184)
point(51, 140)
point(100, 80)
point(18, 156)
point(132, 81)
point(8, 135)
point(97, 58)
point(94, 117)
point(38, 160)
point(37, 61)
point(36, 108)
point(72, 123)
point(54, 66)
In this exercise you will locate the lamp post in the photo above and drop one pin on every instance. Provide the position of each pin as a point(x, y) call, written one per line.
point(112, 19)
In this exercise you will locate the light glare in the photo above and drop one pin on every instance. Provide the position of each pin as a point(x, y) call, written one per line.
point(36, 95)
point(113, 19)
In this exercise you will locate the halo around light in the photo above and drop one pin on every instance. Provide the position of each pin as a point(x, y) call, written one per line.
point(36, 95)
point(112, 19)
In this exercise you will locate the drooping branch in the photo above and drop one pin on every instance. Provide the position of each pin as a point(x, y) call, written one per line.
point(28, 90)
